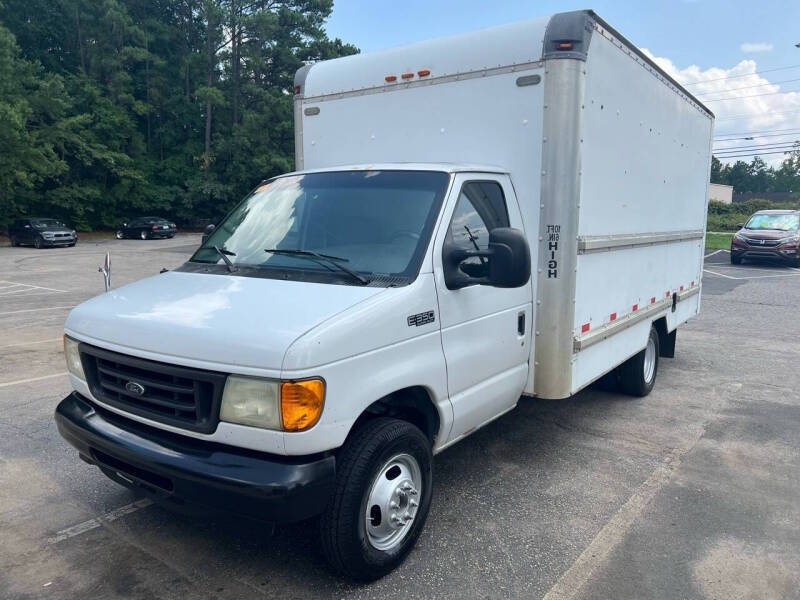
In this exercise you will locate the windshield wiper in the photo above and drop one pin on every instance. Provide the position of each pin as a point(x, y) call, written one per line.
point(225, 253)
point(325, 259)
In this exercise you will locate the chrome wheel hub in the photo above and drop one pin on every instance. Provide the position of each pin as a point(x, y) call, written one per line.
point(649, 360)
point(393, 502)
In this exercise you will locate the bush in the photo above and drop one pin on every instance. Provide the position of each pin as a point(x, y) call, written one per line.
point(726, 217)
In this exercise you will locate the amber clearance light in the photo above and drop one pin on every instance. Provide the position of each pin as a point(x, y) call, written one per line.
point(301, 403)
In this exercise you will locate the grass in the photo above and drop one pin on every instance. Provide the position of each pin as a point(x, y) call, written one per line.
point(717, 241)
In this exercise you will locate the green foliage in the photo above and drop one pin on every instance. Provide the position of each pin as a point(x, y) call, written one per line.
point(113, 108)
point(726, 217)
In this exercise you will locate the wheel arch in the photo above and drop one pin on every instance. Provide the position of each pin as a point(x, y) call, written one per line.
point(414, 404)
point(666, 338)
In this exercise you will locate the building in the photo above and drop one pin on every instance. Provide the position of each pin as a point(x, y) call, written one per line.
point(720, 193)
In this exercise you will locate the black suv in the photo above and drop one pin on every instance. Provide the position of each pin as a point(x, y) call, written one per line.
point(41, 233)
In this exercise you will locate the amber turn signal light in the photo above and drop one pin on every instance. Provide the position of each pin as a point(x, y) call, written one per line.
point(301, 403)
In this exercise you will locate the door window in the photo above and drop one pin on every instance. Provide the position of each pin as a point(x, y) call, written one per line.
point(481, 207)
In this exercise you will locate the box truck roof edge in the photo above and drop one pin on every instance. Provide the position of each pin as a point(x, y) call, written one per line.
point(565, 35)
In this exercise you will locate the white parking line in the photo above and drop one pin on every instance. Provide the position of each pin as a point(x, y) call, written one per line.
point(753, 277)
point(27, 310)
point(32, 343)
point(38, 287)
point(716, 252)
point(720, 274)
point(32, 379)
point(80, 528)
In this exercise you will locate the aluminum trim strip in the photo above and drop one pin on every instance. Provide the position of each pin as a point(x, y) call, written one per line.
point(393, 87)
point(604, 243)
point(606, 331)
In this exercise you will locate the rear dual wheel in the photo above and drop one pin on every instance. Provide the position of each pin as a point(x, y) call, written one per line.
point(381, 501)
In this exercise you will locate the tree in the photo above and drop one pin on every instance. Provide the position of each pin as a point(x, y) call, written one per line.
point(113, 108)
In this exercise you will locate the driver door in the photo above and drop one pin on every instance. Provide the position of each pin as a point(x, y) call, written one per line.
point(485, 330)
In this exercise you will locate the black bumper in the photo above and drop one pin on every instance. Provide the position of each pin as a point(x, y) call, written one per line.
point(184, 470)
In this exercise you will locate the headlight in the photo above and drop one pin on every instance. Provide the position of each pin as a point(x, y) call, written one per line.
point(287, 406)
point(250, 401)
point(73, 357)
point(74, 233)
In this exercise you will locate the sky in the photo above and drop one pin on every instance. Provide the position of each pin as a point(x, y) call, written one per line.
point(722, 50)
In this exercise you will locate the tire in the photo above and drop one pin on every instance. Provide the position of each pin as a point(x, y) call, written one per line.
point(637, 375)
point(38, 242)
point(377, 450)
point(171, 235)
point(120, 235)
point(795, 263)
point(143, 235)
point(72, 244)
point(14, 242)
point(736, 260)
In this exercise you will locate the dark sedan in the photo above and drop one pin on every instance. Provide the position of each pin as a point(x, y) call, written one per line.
point(146, 228)
point(41, 233)
point(768, 234)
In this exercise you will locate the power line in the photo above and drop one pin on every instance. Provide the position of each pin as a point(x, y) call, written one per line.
point(745, 75)
point(755, 154)
point(747, 87)
point(756, 137)
point(757, 148)
point(751, 96)
point(752, 133)
point(752, 116)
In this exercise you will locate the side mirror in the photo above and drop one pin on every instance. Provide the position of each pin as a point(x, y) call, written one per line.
point(508, 257)
point(740, 225)
point(211, 228)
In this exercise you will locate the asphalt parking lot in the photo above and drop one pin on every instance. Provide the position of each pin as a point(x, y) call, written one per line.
point(690, 492)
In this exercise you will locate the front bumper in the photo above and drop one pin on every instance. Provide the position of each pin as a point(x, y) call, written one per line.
point(59, 241)
point(773, 252)
point(170, 467)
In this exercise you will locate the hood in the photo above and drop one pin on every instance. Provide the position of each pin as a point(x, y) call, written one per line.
point(767, 234)
point(229, 320)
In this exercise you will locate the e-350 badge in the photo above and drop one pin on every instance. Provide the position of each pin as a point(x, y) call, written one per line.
point(421, 319)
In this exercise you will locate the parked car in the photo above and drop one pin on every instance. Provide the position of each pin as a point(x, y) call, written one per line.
point(41, 233)
point(343, 324)
point(771, 234)
point(146, 228)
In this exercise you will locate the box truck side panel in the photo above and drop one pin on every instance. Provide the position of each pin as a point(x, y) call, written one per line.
point(642, 206)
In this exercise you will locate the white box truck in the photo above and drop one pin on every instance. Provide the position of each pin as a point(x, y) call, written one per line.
point(514, 212)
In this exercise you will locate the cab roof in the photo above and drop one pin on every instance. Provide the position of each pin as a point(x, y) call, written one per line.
point(445, 167)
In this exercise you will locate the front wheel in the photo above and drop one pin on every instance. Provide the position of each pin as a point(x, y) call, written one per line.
point(120, 235)
point(14, 242)
point(143, 235)
point(38, 242)
point(637, 375)
point(381, 501)
point(736, 260)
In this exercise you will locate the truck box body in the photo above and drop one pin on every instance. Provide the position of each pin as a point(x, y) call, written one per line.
point(609, 158)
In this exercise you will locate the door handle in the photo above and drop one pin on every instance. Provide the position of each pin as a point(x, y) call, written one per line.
point(521, 323)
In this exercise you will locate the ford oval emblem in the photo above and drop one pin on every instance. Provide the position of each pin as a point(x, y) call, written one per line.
point(135, 388)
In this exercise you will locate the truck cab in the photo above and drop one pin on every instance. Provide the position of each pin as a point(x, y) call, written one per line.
point(327, 302)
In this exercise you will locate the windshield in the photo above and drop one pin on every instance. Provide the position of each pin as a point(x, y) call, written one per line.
point(374, 223)
point(45, 223)
point(788, 222)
